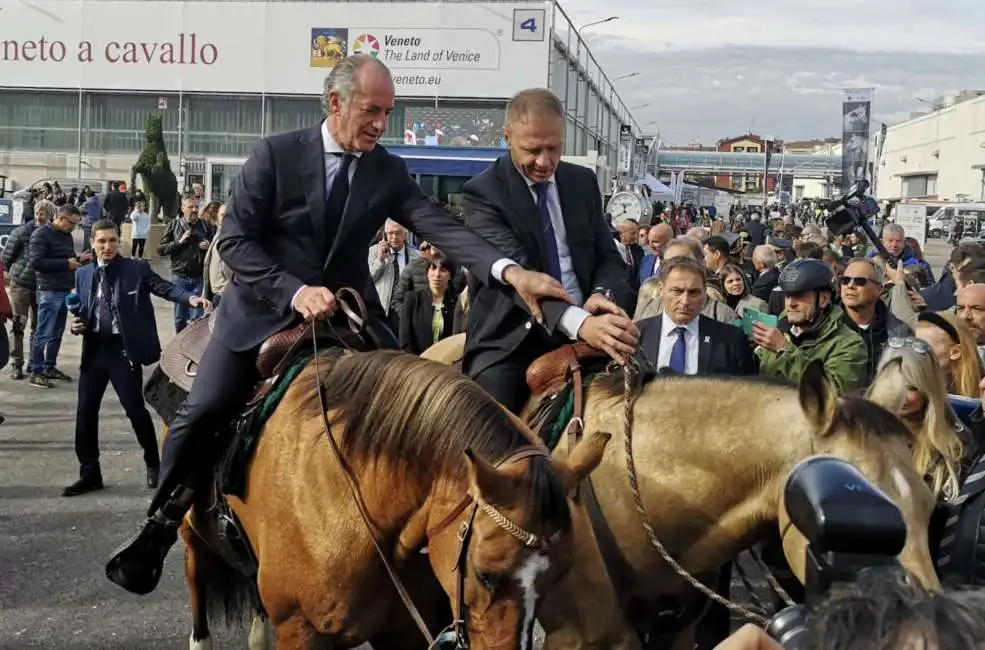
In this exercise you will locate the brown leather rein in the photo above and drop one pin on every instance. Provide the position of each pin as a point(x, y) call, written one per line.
point(458, 627)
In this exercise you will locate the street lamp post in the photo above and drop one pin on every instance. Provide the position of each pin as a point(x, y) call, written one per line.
point(597, 22)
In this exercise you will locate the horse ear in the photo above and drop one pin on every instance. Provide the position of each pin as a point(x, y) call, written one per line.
point(485, 481)
point(585, 457)
point(818, 395)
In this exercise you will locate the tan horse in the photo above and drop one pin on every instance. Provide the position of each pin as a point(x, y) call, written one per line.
point(712, 456)
point(418, 438)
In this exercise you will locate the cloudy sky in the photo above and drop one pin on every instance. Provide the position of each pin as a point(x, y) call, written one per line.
point(716, 68)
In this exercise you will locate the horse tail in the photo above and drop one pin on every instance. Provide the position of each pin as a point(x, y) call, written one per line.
point(229, 595)
point(232, 597)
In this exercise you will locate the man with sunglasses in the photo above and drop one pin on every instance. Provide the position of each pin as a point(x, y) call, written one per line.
point(811, 328)
point(865, 313)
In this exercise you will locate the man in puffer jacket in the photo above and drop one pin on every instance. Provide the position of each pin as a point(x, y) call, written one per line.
point(23, 284)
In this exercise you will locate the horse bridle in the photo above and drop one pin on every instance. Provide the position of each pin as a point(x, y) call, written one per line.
point(459, 627)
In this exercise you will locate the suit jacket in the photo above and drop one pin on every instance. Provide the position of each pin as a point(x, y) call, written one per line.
point(133, 283)
point(646, 266)
point(499, 205)
point(722, 348)
point(416, 324)
point(276, 238)
point(384, 279)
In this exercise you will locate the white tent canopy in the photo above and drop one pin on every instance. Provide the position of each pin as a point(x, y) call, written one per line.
point(659, 191)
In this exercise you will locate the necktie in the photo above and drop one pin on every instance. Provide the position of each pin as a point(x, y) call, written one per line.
point(338, 193)
point(969, 486)
point(678, 355)
point(396, 266)
point(104, 309)
point(547, 229)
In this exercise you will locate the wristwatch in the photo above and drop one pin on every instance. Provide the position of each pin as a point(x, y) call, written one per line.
point(605, 293)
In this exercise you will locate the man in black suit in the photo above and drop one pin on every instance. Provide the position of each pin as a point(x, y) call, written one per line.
point(685, 341)
point(293, 233)
point(547, 215)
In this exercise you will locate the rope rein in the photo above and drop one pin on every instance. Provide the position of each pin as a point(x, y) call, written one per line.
point(632, 376)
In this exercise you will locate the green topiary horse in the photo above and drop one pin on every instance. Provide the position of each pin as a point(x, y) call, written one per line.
point(160, 183)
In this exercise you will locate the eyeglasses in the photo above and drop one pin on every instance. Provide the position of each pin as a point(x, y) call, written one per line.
point(846, 280)
point(917, 345)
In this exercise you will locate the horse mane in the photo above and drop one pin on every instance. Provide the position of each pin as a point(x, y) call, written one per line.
point(856, 416)
point(421, 416)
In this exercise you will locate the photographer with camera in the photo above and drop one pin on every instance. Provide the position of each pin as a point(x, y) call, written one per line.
point(857, 595)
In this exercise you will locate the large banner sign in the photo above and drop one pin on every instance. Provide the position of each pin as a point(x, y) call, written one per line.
point(448, 49)
point(855, 117)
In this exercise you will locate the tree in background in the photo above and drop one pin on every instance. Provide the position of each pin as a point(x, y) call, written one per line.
point(159, 182)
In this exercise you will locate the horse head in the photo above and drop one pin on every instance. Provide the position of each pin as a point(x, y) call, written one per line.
point(875, 441)
point(515, 542)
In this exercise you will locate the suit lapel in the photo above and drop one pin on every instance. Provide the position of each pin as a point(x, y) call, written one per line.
point(704, 347)
point(523, 206)
point(312, 169)
point(653, 348)
point(360, 190)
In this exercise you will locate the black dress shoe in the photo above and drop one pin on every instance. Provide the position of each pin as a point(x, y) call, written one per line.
point(153, 473)
point(86, 484)
point(137, 565)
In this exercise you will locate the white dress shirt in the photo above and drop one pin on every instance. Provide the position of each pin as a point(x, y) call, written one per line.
point(333, 163)
point(668, 337)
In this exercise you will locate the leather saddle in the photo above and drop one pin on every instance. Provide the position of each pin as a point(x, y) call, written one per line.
point(550, 372)
point(348, 329)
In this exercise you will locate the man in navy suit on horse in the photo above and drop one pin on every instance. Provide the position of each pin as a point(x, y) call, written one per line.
point(300, 222)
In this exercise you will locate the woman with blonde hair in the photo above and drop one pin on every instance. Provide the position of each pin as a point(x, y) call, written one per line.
point(910, 383)
point(955, 349)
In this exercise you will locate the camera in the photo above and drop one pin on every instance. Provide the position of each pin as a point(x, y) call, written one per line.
point(851, 527)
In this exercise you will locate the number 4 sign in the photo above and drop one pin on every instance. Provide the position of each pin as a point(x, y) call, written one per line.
point(529, 24)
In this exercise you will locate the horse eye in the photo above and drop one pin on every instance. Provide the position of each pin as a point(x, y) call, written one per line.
point(488, 580)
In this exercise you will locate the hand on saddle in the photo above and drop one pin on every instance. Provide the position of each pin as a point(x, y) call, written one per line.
point(77, 326)
point(613, 334)
point(597, 304)
point(532, 287)
point(315, 303)
point(198, 301)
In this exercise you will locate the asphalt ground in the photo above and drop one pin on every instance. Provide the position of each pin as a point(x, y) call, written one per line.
point(53, 593)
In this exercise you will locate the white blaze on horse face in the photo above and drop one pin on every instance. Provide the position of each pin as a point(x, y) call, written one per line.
point(526, 576)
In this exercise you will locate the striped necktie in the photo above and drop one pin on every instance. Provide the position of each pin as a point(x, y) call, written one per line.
point(972, 484)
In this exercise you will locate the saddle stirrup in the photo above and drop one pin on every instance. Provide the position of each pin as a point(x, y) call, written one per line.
point(174, 509)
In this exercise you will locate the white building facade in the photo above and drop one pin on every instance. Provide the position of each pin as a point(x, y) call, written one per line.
point(79, 78)
point(940, 155)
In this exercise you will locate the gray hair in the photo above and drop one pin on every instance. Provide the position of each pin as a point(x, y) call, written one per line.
point(691, 243)
point(49, 209)
point(893, 229)
point(876, 268)
point(342, 79)
point(765, 255)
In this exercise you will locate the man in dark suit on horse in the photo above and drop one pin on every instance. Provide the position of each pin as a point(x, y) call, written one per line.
point(547, 215)
point(302, 216)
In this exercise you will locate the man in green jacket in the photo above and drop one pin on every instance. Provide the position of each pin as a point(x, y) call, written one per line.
point(811, 328)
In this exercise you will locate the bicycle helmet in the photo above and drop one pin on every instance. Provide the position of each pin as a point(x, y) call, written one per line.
point(806, 275)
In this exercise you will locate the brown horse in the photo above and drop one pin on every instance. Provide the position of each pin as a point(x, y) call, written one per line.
point(418, 438)
point(711, 457)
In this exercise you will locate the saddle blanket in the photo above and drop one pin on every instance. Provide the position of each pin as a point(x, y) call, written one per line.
point(243, 434)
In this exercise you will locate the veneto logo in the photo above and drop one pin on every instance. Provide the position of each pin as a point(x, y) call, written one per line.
point(184, 49)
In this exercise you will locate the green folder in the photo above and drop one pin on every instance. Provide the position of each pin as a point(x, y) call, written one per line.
point(750, 316)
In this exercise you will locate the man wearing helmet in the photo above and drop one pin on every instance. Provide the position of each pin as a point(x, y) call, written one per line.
point(811, 328)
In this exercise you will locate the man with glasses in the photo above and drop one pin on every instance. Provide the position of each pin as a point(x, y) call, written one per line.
point(811, 328)
point(53, 258)
point(865, 313)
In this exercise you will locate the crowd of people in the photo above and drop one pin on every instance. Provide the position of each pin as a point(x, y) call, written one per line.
point(691, 294)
